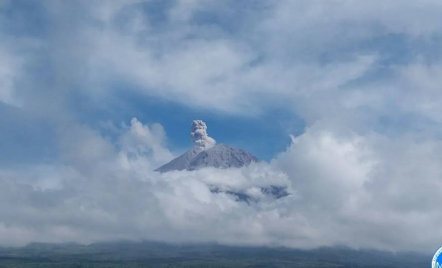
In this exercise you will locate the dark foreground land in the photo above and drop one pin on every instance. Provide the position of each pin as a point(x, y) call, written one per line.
point(148, 254)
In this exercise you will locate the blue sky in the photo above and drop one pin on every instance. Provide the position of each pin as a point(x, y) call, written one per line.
point(341, 98)
point(251, 133)
point(23, 19)
point(38, 35)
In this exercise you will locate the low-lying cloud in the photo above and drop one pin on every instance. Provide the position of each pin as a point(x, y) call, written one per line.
point(342, 190)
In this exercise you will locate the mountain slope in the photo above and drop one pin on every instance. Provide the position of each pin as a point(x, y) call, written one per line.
point(219, 156)
point(181, 162)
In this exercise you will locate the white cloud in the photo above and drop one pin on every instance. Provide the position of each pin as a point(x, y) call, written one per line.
point(283, 53)
point(142, 140)
point(344, 189)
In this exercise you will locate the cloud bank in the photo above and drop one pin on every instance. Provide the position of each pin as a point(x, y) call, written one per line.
point(352, 191)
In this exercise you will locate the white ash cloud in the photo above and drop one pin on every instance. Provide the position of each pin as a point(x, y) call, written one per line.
point(199, 136)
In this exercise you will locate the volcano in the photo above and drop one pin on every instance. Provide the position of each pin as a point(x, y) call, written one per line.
point(207, 153)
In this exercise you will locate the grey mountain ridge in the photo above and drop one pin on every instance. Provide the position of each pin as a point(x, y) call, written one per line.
point(219, 156)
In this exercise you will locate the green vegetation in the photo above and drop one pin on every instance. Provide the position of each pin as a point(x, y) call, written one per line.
point(134, 255)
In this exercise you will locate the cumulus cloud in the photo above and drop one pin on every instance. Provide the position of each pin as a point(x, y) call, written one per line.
point(342, 190)
point(199, 136)
point(148, 141)
point(180, 55)
point(233, 69)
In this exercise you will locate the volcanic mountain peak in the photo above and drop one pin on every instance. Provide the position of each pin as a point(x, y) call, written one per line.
point(207, 154)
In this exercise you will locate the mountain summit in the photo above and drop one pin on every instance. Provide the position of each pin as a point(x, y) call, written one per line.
point(207, 153)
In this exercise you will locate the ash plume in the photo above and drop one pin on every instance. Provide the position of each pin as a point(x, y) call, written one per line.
point(198, 134)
